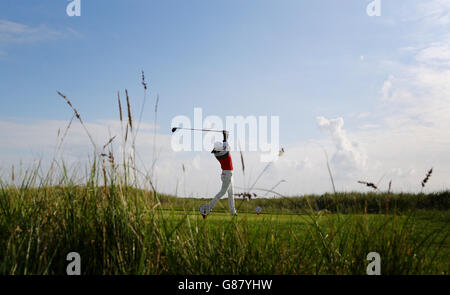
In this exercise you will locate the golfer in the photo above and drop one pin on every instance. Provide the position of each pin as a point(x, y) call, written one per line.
point(222, 153)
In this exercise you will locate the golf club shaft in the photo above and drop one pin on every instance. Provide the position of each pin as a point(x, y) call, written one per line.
point(204, 130)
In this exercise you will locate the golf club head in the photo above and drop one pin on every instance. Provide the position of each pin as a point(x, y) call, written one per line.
point(174, 129)
point(204, 210)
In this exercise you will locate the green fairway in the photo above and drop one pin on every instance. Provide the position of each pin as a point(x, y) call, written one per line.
point(310, 244)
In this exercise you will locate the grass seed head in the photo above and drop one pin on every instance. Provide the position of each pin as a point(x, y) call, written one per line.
point(143, 80)
point(109, 142)
point(427, 177)
point(130, 117)
point(120, 106)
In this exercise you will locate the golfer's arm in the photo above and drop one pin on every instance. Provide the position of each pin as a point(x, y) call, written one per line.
point(225, 138)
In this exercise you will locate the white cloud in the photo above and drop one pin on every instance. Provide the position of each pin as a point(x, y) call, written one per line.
point(11, 32)
point(363, 115)
point(437, 53)
point(369, 126)
point(348, 155)
point(17, 33)
point(435, 12)
point(407, 133)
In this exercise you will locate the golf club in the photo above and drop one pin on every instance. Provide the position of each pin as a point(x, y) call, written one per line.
point(193, 129)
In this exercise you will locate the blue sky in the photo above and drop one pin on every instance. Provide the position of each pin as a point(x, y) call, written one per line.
point(295, 59)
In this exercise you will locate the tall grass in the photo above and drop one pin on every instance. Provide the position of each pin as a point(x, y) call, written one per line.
point(118, 229)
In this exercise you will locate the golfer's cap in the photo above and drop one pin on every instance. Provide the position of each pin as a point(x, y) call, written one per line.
point(218, 146)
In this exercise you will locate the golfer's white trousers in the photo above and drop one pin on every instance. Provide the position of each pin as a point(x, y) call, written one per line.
point(227, 187)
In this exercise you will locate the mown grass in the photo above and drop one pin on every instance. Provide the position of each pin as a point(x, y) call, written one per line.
point(121, 230)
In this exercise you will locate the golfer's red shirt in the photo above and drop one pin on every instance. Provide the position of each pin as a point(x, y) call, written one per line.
point(225, 161)
point(224, 157)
